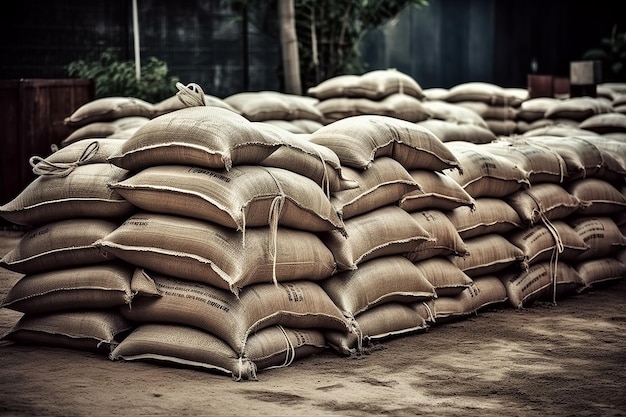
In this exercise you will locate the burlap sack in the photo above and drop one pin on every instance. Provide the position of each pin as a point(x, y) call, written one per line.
point(206, 252)
point(378, 84)
point(376, 324)
point(541, 202)
point(451, 131)
point(556, 240)
point(484, 174)
point(436, 191)
point(446, 239)
point(542, 164)
point(447, 278)
point(582, 158)
point(400, 106)
point(385, 182)
point(481, 92)
point(601, 234)
point(358, 140)
point(542, 281)
point(80, 152)
point(183, 345)
point(578, 108)
point(560, 127)
point(232, 318)
point(105, 285)
point(595, 272)
point(333, 87)
point(244, 196)
point(116, 129)
point(377, 281)
point(74, 192)
point(535, 108)
point(303, 157)
point(605, 123)
point(258, 106)
point(484, 291)
point(488, 215)
point(598, 197)
point(206, 136)
point(491, 112)
point(90, 330)
point(385, 231)
point(59, 245)
point(451, 112)
point(488, 254)
point(109, 108)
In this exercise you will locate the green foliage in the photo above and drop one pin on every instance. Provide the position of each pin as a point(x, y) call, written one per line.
point(612, 54)
point(115, 78)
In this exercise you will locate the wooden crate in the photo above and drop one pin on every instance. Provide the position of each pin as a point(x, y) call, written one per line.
point(32, 122)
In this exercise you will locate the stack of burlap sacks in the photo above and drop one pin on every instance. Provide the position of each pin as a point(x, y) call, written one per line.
point(214, 236)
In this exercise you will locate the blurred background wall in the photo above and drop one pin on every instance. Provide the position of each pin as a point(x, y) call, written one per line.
point(207, 42)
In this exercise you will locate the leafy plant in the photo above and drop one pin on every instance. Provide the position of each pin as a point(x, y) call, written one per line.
point(612, 54)
point(117, 78)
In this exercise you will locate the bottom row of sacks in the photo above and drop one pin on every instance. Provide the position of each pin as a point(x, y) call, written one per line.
point(176, 322)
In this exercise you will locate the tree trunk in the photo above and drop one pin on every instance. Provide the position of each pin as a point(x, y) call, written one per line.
point(289, 46)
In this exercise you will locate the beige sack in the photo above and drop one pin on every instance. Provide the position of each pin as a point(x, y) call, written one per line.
point(447, 241)
point(109, 108)
point(541, 202)
point(489, 215)
point(205, 136)
point(91, 330)
point(488, 254)
point(59, 245)
point(598, 197)
point(601, 234)
point(556, 240)
point(449, 131)
point(183, 345)
point(244, 196)
point(207, 252)
point(100, 286)
point(484, 174)
point(358, 140)
point(232, 318)
point(258, 106)
point(484, 291)
point(306, 158)
point(378, 323)
point(80, 192)
point(436, 191)
point(380, 280)
point(595, 272)
point(582, 158)
point(385, 231)
point(541, 163)
point(539, 283)
point(447, 278)
point(383, 183)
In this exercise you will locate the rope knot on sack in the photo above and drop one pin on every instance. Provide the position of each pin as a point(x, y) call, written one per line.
point(42, 166)
point(191, 95)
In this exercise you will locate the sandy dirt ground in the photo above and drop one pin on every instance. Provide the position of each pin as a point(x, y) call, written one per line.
point(567, 359)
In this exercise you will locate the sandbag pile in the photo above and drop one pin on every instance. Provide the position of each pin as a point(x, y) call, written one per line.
point(380, 92)
point(220, 240)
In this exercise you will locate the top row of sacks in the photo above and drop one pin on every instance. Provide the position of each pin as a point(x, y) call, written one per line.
point(488, 109)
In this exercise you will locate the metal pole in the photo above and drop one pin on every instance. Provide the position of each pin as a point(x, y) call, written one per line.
point(136, 38)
